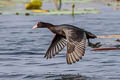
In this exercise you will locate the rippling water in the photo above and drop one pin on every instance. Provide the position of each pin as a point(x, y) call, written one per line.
point(22, 49)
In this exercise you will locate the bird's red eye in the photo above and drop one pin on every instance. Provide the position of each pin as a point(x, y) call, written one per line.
point(38, 24)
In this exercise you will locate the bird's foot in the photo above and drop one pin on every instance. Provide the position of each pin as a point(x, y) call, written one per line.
point(94, 45)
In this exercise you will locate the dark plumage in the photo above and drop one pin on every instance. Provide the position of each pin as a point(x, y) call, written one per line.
point(67, 35)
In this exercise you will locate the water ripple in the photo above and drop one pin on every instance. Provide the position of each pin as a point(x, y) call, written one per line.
point(9, 59)
point(68, 77)
point(11, 75)
point(52, 64)
point(32, 76)
point(21, 53)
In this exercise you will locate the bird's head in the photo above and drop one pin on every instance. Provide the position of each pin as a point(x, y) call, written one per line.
point(42, 25)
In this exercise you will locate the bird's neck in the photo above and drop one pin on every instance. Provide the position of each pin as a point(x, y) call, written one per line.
point(51, 27)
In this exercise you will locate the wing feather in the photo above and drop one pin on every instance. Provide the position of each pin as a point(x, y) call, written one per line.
point(57, 44)
point(76, 42)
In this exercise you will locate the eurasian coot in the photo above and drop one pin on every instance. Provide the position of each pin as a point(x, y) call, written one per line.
point(67, 35)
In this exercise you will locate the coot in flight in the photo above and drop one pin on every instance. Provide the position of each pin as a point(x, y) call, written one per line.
point(67, 35)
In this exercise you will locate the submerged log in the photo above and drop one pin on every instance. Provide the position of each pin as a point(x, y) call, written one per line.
point(108, 36)
point(102, 49)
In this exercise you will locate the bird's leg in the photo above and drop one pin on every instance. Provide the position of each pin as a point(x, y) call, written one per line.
point(94, 45)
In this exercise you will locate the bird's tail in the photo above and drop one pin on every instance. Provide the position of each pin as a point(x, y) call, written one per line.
point(91, 35)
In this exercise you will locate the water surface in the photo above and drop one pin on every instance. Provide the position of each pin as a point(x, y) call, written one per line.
point(22, 49)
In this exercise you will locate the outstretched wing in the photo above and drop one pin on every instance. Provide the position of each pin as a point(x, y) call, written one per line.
point(76, 42)
point(57, 44)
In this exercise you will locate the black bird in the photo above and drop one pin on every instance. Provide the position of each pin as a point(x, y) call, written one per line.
point(67, 35)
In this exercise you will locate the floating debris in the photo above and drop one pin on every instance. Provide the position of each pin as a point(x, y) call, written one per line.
point(40, 11)
point(17, 13)
point(103, 49)
point(34, 4)
point(27, 14)
point(118, 40)
point(0, 13)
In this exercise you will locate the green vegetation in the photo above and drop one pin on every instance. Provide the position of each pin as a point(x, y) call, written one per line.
point(85, 11)
point(76, 1)
point(116, 3)
point(17, 7)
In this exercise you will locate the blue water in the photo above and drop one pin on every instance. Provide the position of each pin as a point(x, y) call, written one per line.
point(22, 49)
